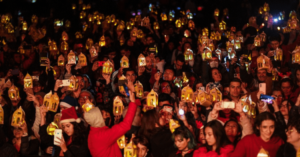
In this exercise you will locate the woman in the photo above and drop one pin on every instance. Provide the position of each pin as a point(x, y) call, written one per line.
point(293, 140)
point(160, 137)
point(24, 143)
point(233, 131)
point(263, 137)
point(74, 141)
point(284, 109)
point(217, 143)
point(216, 78)
point(143, 145)
point(184, 141)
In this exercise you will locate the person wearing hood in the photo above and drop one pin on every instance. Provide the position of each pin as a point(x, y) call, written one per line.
point(102, 141)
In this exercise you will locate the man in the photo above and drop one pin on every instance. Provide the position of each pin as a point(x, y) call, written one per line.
point(286, 86)
point(235, 89)
point(178, 65)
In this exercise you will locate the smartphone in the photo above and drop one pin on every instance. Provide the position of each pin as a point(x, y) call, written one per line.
point(202, 88)
point(15, 72)
point(262, 88)
point(227, 104)
point(100, 63)
point(35, 78)
point(266, 98)
point(65, 83)
point(181, 112)
point(57, 136)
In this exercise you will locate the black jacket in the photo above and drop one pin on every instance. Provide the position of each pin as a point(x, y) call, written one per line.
point(29, 147)
point(286, 150)
point(161, 143)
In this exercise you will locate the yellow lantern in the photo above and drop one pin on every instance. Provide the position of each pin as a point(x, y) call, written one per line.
point(82, 15)
point(102, 41)
point(28, 81)
point(24, 26)
point(54, 103)
point(73, 6)
point(212, 35)
point(52, 45)
point(83, 7)
point(61, 60)
point(211, 45)
point(107, 67)
point(93, 52)
point(139, 90)
point(152, 99)
point(13, 93)
point(140, 34)
point(218, 36)
point(18, 117)
point(130, 150)
point(87, 106)
point(204, 40)
point(263, 62)
point(184, 78)
point(71, 58)
point(141, 60)
point(231, 54)
point(78, 35)
point(1, 115)
point(263, 36)
point(163, 17)
point(237, 44)
point(205, 32)
point(57, 117)
point(155, 25)
point(51, 127)
point(204, 98)
point(257, 41)
point(134, 32)
point(263, 153)
point(187, 94)
point(10, 28)
point(178, 82)
point(274, 74)
point(121, 142)
point(73, 83)
point(82, 60)
point(217, 11)
point(261, 10)
point(296, 56)
point(207, 55)
point(178, 23)
point(64, 46)
point(278, 54)
point(48, 100)
point(266, 7)
point(266, 16)
point(294, 23)
point(216, 94)
point(118, 106)
point(229, 46)
point(124, 62)
point(222, 26)
point(188, 55)
point(218, 52)
point(173, 124)
point(191, 24)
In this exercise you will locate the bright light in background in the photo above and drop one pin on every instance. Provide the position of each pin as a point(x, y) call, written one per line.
point(33, 1)
point(275, 20)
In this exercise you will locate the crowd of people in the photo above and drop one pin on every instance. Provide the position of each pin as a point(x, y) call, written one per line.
point(155, 85)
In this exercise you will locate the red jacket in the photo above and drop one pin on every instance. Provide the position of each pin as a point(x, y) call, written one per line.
point(250, 145)
point(202, 152)
point(102, 141)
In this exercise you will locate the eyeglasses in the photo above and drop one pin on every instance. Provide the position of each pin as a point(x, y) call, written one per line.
point(289, 131)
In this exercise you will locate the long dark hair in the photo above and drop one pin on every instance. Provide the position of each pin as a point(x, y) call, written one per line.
point(219, 135)
point(260, 118)
point(239, 130)
point(184, 132)
point(79, 136)
point(149, 121)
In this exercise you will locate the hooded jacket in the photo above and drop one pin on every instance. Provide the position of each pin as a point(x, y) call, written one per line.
point(102, 141)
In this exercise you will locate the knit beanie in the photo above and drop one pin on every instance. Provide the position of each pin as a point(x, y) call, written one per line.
point(94, 118)
point(69, 115)
point(68, 102)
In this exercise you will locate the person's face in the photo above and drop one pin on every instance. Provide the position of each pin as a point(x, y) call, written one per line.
point(201, 136)
point(149, 40)
point(148, 63)
point(123, 52)
point(192, 81)
point(198, 85)
point(83, 97)
point(81, 82)
point(37, 88)
point(278, 96)
point(17, 132)
point(165, 88)
point(17, 58)
point(187, 46)
point(141, 150)
point(86, 81)
point(178, 65)
point(209, 136)
point(286, 88)
point(262, 75)
point(107, 40)
point(235, 89)
point(231, 129)
point(284, 108)
point(112, 55)
point(171, 45)
point(181, 143)
point(68, 128)
point(106, 117)
point(293, 136)
point(62, 107)
point(274, 44)
point(183, 106)
point(165, 117)
point(168, 75)
point(298, 75)
point(130, 75)
point(57, 70)
point(39, 99)
point(266, 129)
point(216, 75)
point(193, 108)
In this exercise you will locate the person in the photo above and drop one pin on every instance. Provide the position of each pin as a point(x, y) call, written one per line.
point(263, 137)
point(100, 132)
point(143, 146)
point(184, 142)
point(217, 143)
point(74, 140)
point(233, 131)
point(292, 145)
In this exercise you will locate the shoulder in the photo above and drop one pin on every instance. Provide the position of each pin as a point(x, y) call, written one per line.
point(227, 149)
point(200, 150)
